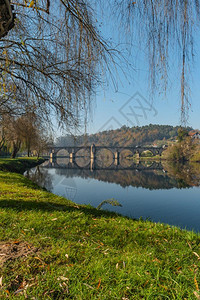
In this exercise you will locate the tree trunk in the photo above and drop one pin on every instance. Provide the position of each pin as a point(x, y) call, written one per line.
point(14, 152)
point(28, 148)
point(16, 148)
point(2, 142)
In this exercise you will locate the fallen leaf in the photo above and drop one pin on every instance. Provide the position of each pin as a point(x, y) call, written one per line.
point(40, 260)
point(70, 265)
point(197, 255)
point(63, 278)
point(156, 260)
point(164, 287)
point(196, 283)
point(146, 283)
point(99, 284)
point(88, 286)
point(197, 295)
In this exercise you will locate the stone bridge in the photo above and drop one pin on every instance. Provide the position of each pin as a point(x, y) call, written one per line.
point(93, 150)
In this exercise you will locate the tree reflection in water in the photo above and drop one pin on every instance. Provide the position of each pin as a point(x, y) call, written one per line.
point(41, 176)
point(167, 194)
point(172, 176)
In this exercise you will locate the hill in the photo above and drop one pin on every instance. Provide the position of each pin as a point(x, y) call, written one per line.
point(125, 136)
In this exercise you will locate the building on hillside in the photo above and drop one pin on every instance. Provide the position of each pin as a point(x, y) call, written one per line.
point(194, 134)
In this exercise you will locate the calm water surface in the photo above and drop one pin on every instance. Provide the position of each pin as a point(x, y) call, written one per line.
point(169, 195)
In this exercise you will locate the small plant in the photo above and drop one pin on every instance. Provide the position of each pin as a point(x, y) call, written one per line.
point(111, 201)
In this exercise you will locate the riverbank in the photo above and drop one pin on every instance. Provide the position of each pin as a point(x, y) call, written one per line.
point(19, 165)
point(51, 248)
point(146, 158)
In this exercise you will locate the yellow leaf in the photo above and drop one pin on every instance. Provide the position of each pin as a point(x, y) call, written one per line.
point(196, 283)
point(4, 87)
point(31, 3)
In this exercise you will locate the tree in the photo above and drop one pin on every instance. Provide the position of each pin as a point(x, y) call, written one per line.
point(13, 136)
point(182, 134)
point(30, 126)
point(51, 59)
point(42, 143)
point(26, 132)
point(6, 17)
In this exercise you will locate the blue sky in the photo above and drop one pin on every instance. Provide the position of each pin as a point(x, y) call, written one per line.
point(163, 109)
point(114, 109)
point(108, 109)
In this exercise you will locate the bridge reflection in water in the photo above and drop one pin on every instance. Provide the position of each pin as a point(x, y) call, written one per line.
point(99, 157)
point(63, 163)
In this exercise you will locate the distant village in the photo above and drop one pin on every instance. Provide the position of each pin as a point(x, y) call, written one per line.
point(194, 134)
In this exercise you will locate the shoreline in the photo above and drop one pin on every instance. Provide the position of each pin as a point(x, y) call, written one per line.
point(19, 165)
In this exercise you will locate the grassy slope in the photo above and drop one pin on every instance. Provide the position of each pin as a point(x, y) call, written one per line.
point(84, 253)
point(19, 165)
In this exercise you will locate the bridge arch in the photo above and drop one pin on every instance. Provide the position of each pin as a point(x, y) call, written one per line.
point(62, 152)
point(147, 153)
point(104, 157)
point(82, 157)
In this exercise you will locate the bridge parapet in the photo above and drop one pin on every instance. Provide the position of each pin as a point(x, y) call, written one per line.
point(69, 149)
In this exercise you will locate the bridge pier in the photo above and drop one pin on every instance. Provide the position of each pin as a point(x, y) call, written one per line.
point(92, 165)
point(52, 163)
point(116, 158)
point(71, 157)
point(52, 156)
point(92, 152)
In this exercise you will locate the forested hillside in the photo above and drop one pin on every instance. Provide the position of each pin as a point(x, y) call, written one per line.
point(125, 136)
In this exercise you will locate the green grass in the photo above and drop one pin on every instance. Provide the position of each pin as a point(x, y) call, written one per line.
point(19, 165)
point(85, 253)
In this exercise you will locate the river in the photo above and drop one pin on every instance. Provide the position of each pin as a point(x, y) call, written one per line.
point(169, 194)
